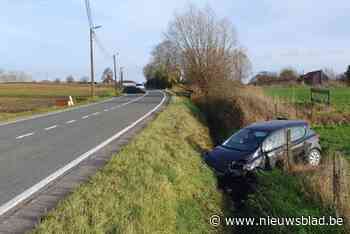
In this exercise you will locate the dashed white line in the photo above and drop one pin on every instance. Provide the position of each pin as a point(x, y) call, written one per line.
point(25, 135)
point(106, 110)
point(50, 128)
point(96, 113)
point(71, 121)
point(85, 117)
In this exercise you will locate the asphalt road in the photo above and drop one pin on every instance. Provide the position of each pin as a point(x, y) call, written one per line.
point(33, 149)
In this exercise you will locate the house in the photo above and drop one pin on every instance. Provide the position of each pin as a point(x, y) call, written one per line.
point(314, 78)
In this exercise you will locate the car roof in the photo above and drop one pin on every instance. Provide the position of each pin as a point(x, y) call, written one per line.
point(274, 125)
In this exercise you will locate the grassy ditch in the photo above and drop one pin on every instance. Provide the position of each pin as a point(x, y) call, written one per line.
point(156, 184)
point(273, 194)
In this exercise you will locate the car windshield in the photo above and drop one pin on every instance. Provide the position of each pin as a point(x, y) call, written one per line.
point(246, 140)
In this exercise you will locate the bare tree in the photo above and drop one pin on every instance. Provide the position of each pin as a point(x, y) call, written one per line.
point(241, 66)
point(208, 47)
point(70, 79)
point(332, 75)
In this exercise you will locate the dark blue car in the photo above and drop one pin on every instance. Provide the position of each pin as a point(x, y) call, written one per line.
point(262, 145)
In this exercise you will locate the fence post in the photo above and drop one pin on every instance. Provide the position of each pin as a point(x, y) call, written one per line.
point(289, 160)
point(276, 109)
point(336, 181)
point(312, 112)
point(329, 97)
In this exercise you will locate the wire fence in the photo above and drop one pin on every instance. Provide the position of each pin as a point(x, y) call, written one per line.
point(330, 181)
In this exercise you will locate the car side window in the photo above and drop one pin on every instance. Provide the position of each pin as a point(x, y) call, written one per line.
point(297, 133)
point(274, 141)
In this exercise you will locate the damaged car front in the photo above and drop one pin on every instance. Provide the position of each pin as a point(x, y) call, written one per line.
point(238, 155)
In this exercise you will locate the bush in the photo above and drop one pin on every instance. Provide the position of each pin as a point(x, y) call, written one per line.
point(230, 105)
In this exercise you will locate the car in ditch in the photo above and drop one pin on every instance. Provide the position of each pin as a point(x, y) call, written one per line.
point(262, 146)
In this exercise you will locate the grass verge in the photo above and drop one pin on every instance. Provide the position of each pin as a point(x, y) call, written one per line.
point(282, 195)
point(156, 184)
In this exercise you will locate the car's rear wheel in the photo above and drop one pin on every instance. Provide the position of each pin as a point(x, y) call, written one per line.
point(314, 158)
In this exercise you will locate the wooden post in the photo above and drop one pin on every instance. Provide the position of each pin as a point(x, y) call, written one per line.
point(276, 109)
point(336, 181)
point(290, 161)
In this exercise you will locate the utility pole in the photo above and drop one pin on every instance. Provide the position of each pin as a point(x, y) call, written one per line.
point(92, 63)
point(115, 72)
point(92, 32)
point(121, 76)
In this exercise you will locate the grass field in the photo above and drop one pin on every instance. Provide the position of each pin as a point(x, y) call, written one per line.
point(340, 97)
point(156, 184)
point(19, 100)
point(335, 138)
point(35, 90)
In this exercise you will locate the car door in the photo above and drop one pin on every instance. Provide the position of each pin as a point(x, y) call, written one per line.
point(298, 142)
point(274, 147)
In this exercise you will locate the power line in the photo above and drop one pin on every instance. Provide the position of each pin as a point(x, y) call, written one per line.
point(88, 13)
point(102, 48)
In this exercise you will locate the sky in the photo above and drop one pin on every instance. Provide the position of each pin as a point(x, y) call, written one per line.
point(50, 38)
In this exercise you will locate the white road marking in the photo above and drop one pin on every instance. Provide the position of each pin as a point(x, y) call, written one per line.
point(96, 113)
point(71, 121)
point(127, 103)
point(106, 110)
point(29, 192)
point(25, 135)
point(50, 128)
point(86, 117)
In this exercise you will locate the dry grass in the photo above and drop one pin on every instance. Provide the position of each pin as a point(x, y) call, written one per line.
point(15, 105)
point(35, 90)
point(24, 99)
point(230, 106)
point(319, 182)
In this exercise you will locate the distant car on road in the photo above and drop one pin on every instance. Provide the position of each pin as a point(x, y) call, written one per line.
point(141, 86)
point(133, 90)
point(262, 145)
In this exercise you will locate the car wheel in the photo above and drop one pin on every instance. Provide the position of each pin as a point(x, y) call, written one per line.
point(314, 157)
